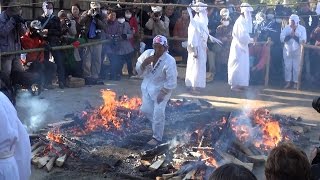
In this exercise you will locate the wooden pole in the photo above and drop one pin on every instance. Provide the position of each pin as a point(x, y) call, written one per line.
point(266, 77)
point(301, 66)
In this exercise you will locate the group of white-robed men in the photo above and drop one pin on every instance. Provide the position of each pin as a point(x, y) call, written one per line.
point(159, 72)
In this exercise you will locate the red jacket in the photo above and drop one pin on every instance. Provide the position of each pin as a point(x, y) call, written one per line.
point(30, 43)
point(134, 27)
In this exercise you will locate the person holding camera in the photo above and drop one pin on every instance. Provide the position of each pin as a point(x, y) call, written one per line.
point(158, 23)
point(51, 32)
point(11, 28)
point(93, 26)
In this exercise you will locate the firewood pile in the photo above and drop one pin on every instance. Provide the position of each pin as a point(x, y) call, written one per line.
point(197, 140)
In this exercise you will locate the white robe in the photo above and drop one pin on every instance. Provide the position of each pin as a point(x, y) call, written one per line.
point(292, 53)
point(15, 149)
point(163, 74)
point(238, 63)
point(198, 33)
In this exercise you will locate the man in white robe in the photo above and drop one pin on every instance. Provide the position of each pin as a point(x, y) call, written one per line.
point(15, 149)
point(238, 63)
point(293, 36)
point(198, 34)
point(159, 72)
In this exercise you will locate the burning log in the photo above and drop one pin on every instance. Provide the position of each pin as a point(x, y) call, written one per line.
point(202, 148)
point(233, 159)
point(243, 148)
point(151, 153)
point(35, 145)
point(36, 151)
point(43, 161)
point(57, 124)
point(60, 161)
point(258, 159)
point(50, 164)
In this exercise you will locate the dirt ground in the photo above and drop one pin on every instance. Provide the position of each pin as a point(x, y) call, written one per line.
point(52, 105)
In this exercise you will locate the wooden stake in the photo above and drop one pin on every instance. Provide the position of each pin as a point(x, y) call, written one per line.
point(60, 161)
point(36, 151)
point(300, 67)
point(36, 145)
point(157, 164)
point(43, 161)
point(50, 164)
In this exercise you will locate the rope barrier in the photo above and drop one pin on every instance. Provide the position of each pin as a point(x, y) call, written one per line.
point(184, 5)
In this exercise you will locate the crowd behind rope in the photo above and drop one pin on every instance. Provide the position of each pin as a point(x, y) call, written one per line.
point(123, 25)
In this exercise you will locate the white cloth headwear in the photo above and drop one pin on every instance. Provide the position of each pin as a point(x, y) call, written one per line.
point(159, 39)
point(44, 6)
point(295, 18)
point(156, 8)
point(246, 7)
point(199, 7)
point(224, 12)
point(94, 5)
point(318, 8)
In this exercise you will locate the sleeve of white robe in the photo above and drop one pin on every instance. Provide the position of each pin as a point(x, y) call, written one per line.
point(22, 152)
point(171, 75)
point(284, 33)
point(143, 56)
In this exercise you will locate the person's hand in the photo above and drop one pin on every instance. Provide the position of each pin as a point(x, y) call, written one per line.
point(149, 60)
point(45, 31)
point(161, 96)
point(151, 14)
point(90, 12)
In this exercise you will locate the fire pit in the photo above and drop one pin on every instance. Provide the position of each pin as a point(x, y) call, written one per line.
point(111, 138)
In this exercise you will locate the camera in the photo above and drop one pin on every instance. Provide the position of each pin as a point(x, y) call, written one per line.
point(67, 22)
point(157, 14)
point(316, 104)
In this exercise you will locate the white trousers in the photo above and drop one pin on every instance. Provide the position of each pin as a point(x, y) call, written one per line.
point(155, 113)
point(291, 65)
point(9, 169)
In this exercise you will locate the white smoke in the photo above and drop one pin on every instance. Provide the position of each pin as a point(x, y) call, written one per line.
point(35, 110)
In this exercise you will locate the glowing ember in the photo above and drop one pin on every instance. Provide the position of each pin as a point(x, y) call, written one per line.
point(257, 127)
point(210, 161)
point(55, 136)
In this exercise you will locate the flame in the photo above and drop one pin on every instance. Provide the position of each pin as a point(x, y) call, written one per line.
point(269, 134)
point(55, 136)
point(106, 116)
point(210, 161)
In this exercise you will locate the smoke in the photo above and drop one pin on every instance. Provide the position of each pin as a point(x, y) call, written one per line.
point(35, 110)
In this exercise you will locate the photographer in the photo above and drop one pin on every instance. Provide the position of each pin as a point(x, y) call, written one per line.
point(69, 32)
point(93, 26)
point(51, 31)
point(158, 23)
point(11, 28)
point(35, 60)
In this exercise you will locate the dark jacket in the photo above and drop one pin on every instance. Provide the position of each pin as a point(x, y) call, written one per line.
point(10, 33)
point(54, 29)
point(85, 21)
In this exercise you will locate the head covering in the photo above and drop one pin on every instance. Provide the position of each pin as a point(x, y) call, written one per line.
point(246, 7)
point(14, 7)
point(318, 8)
point(156, 9)
point(35, 24)
point(295, 18)
point(260, 16)
point(199, 7)
point(159, 39)
point(95, 5)
point(224, 12)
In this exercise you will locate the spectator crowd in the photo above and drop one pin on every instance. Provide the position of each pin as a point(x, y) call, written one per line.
point(122, 25)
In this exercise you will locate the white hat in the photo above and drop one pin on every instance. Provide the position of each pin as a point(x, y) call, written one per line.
point(224, 12)
point(245, 7)
point(94, 5)
point(156, 8)
point(199, 6)
point(159, 39)
point(295, 18)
